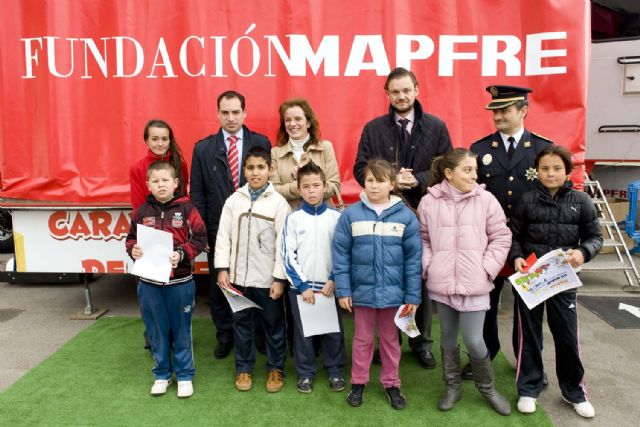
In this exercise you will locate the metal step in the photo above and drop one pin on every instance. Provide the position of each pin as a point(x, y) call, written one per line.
point(612, 242)
point(606, 222)
point(597, 265)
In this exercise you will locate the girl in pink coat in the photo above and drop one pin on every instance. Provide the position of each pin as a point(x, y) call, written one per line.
point(465, 242)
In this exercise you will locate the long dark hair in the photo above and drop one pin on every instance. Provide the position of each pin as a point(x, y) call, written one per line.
point(314, 128)
point(176, 153)
point(449, 160)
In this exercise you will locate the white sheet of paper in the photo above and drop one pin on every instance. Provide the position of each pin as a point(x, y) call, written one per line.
point(319, 318)
point(157, 246)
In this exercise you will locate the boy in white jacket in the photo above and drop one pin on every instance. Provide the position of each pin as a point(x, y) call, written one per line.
point(306, 252)
point(247, 256)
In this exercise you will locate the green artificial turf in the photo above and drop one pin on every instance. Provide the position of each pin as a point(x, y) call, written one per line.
point(103, 377)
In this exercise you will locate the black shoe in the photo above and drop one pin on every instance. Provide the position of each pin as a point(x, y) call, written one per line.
point(222, 350)
point(336, 384)
point(376, 357)
point(545, 380)
point(147, 342)
point(356, 394)
point(305, 385)
point(396, 399)
point(467, 373)
point(426, 359)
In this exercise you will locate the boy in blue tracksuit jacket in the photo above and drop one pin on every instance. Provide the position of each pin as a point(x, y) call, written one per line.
point(306, 252)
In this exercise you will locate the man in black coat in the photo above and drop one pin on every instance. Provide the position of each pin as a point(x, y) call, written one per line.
point(408, 138)
point(212, 181)
point(506, 166)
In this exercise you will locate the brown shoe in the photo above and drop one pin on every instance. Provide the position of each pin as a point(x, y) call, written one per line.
point(243, 381)
point(274, 381)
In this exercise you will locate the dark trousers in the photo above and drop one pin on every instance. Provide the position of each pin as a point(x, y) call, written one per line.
point(490, 330)
point(220, 310)
point(272, 318)
point(423, 341)
point(563, 322)
point(334, 354)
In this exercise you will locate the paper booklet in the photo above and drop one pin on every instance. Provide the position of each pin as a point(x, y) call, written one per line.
point(545, 277)
point(406, 322)
point(237, 301)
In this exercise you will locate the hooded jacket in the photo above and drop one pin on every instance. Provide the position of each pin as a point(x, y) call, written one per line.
point(376, 259)
point(464, 243)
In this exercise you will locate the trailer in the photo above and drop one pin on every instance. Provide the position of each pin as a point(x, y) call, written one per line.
point(80, 79)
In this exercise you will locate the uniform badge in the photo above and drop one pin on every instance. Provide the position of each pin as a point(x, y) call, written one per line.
point(493, 91)
point(487, 159)
point(531, 174)
point(527, 144)
point(149, 221)
point(494, 144)
point(177, 221)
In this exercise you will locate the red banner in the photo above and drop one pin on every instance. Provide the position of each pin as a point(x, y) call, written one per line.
point(80, 79)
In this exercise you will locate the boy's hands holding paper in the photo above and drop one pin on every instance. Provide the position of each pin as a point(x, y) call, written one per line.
point(409, 309)
point(136, 252)
point(328, 288)
point(308, 296)
point(223, 279)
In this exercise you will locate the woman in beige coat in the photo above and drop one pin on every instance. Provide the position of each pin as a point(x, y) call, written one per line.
point(298, 143)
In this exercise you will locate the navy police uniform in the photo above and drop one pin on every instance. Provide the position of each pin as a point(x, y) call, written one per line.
point(507, 179)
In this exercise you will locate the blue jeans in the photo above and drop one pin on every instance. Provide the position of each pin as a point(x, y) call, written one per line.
point(166, 313)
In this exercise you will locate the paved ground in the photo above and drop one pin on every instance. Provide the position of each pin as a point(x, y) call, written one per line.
point(35, 322)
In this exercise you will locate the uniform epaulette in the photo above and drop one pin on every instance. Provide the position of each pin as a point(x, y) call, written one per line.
point(541, 137)
point(483, 139)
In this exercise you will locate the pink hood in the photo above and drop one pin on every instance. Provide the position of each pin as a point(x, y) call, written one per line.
point(465, 242)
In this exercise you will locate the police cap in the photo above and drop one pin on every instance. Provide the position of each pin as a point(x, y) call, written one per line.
point(504, 96)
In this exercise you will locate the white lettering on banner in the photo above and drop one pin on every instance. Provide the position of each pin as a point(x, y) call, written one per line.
point(367, 54)
point(166, 61)
point(183, 56)
point(404, 54)
point(302, 52)
point(101, 59)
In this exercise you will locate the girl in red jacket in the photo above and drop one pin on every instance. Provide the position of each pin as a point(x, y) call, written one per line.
point(465, 242)
point(158, 136)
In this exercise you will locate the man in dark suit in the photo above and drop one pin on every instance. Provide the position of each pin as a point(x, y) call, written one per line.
point(216, 172)
point(506, 167)
point(409, 138)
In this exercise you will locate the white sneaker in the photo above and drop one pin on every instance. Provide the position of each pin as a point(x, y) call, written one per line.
point(526, 405)
point(185, 389)
point(584, 409)
point(160, 387)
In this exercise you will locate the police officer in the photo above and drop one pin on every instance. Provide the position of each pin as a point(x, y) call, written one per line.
point(506, 167)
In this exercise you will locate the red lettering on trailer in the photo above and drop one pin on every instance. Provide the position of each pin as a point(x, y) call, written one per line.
point(94, 225)
point(96, 266)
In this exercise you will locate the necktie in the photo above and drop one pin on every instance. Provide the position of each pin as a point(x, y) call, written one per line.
point(404, 133)
point(512, 147)
point(232, 158)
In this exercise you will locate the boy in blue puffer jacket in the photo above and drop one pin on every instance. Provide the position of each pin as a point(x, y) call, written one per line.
point(377, 266)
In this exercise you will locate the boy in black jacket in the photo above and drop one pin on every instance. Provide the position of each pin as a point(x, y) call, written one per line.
point(167, 307)
point(553, 216)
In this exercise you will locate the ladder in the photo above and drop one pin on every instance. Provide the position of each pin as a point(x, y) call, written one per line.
point(612, 237)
